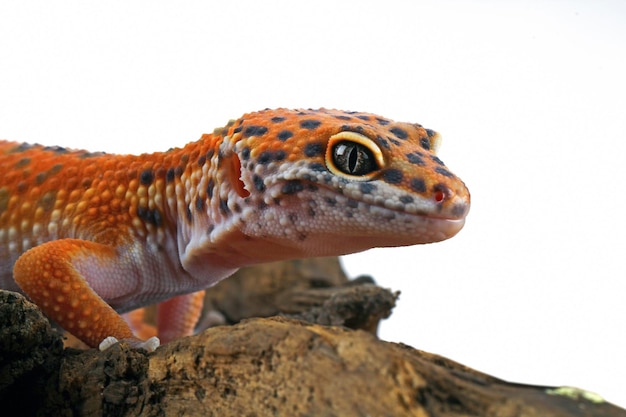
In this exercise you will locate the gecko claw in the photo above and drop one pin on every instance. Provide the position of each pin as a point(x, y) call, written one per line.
point(107, 343)
point(150, 345)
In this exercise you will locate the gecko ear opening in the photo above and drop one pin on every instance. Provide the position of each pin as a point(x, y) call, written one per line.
point(234, 176)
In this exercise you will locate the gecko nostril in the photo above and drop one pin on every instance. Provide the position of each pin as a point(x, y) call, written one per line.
point(442, 193)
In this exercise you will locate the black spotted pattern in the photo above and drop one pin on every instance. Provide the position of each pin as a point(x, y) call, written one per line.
point(392, 176)
point(224, 206)
point(399, 133)
point(394, 141)
point(41, 177)
point(254, 131)
point(264, 158)
point(258, 183)
point(56, 168)
point(444, 172)
point(415, 158)
point(394, 135)
point(48, 200)
point(292, 187)
point(283, 135)
point(366, 187)
point(22, 163)
point(146, 177)
point(21, 147)
point(170, 175)
point(310, 124)
point(316, 166)
point(210, 187)
point(437, 160)
point(418, 185)
point(383, 142)
point(56, 149)
point(199, 204)
point(153, 217)
point(313, 149)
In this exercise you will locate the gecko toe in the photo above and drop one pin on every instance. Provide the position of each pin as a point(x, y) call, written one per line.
point(150, 345)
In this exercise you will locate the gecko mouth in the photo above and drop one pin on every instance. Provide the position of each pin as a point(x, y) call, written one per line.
point(444, 205)
point(306, 203)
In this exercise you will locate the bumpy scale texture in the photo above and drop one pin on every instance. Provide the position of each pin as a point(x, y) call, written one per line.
point(90, 235)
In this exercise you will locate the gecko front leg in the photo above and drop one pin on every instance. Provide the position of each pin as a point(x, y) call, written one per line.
point(58, 276)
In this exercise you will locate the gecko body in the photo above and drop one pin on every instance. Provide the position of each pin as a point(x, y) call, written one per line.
point(89, 235)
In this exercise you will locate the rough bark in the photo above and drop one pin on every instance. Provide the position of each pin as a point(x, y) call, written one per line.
point(332, 364)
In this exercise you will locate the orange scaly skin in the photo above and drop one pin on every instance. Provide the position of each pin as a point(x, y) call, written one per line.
point(89, 235)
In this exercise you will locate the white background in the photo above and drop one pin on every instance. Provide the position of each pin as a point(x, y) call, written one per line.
point(530, 99)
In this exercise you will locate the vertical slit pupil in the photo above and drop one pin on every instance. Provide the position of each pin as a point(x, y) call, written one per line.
point(353, 157)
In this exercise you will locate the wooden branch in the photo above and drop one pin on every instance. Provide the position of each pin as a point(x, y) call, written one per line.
point(263, 366)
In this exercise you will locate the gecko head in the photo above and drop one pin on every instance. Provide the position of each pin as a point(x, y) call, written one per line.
point(327, 182)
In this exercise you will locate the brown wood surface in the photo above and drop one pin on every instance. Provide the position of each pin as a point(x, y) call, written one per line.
point(323, 359)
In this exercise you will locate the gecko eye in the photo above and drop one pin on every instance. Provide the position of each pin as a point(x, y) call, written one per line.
point(353, 156)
